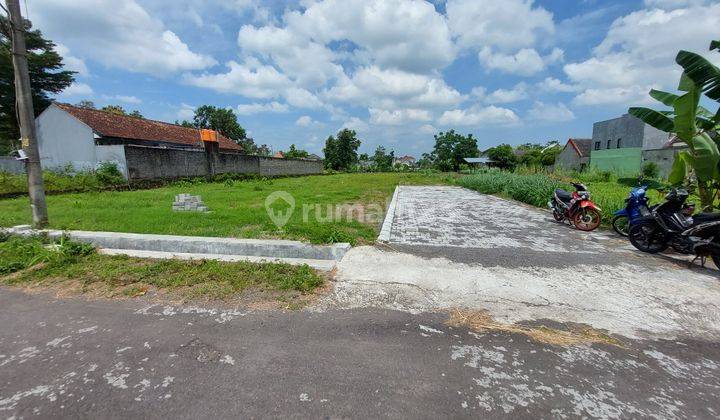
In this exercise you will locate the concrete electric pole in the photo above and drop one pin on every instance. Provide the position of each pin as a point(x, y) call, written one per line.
point(26, 116)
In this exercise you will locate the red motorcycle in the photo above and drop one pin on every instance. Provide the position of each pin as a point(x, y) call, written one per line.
point(576, 207)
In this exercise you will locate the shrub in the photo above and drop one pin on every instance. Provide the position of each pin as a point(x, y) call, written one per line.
point(109, 174)
point(650, 170)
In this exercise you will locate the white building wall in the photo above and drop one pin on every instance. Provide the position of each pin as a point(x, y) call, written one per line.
point(63, 140)
point(113, 153)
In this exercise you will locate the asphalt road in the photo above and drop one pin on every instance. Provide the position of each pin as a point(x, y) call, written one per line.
point(72, 358)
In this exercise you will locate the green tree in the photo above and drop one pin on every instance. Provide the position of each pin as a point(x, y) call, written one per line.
point(136, 114)
point(224, 121)
point(502, 156)
point(341, 152)
point(85, 104)
point(295, 153)
point(691, 124)
point(383, 161)
point(114, 109)
point(451, 149)
point(47, 77)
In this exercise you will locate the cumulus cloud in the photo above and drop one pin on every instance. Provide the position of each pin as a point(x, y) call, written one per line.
point(504, 96)
point(508, 25)
point(638, 53)
point(398, 116)
point(251, 78)
point(257, 108)
point(550, 112)
point(551, 84)
point(117, 33)
point(128, 99)
point(70, 62)
point(479, 116)
point(76, 89)
point(525, 62)
point(185, 112)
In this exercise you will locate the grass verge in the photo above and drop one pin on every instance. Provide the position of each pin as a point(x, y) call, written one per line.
point(37, 262)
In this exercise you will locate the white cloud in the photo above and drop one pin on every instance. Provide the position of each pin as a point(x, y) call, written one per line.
point(70, 62)
point(128, 99)
point(507, 25)
point(631, 95)
point(251, 79)
point(355, 123)
point(504, 96)
point(550, 84)
point(638, 53)
point(428, 129)
point(257, 108)
point(525, 62)
point(550, 112)
point(388, 89)
point(398, 116)
point(117, 33)
point(304, 121)
point(186, 112)
point(76, 89)
point(478, 117)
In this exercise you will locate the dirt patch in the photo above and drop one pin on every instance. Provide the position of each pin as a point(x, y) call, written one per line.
point(481, 321)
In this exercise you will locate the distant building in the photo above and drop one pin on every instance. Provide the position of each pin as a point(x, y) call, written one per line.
point(478, 161)
point(313, 156)
point(83, 137)
point(618, 144)
point(279, 155)
point(406, 160)
point(575, 155)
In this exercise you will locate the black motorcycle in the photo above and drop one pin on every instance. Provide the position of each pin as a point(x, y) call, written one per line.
point(670, 225)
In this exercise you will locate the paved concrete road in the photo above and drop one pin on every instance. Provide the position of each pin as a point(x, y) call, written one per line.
point(127, 359)
point(452, 247)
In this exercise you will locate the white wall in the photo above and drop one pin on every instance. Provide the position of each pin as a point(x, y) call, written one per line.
point(113, 153)
point(64, 140)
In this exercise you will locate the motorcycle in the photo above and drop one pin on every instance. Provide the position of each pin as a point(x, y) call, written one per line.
point(636, 205)
point(669, 225)
point(576, 207)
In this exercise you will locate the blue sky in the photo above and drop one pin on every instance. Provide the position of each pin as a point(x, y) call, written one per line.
point(396, 71)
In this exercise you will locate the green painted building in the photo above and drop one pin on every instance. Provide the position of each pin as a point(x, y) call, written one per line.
point(618, 144)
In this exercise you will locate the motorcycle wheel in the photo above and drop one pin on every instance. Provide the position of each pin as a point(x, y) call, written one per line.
point(587, 219)
point(646, 237)
point(621, 225)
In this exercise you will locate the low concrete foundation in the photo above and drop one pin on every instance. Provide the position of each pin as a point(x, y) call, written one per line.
point(200, 247)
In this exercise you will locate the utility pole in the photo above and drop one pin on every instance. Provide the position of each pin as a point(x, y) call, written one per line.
point(26, 116)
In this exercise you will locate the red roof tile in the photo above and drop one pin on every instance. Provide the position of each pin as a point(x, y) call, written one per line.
point(108, 124)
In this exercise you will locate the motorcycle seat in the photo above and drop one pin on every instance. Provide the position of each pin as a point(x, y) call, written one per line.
point(706, 217)
point(563, 195)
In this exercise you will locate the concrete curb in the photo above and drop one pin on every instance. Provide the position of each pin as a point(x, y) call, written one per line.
point(389, 216)
point(324, 265)
point(197, 246)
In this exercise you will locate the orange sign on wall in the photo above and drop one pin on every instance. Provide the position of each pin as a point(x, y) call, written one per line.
point(208, 135)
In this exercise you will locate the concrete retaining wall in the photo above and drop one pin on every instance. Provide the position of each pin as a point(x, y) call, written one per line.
point(157, 163)
point(12, 165)
point(664, 158)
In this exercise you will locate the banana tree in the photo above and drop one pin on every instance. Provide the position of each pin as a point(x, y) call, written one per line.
point(691, 124)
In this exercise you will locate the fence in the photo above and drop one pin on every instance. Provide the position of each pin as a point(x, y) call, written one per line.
point(158, 163)
point(12, 165)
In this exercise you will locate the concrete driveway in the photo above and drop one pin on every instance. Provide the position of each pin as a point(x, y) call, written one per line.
point(451, 247)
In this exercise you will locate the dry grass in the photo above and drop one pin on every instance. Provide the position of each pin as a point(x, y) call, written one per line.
point(482, 321)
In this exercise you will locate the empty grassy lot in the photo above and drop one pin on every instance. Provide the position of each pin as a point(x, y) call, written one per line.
point(237, 208)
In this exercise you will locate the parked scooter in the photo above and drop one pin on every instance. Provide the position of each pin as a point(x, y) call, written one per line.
point(669, 225)
point(576, 207)
point(636, 205)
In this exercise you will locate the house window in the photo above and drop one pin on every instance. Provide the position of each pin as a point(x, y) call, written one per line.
point(597, 145)
point(619, 145)
point(608, 145)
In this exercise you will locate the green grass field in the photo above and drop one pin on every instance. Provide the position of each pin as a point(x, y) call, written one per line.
point(237, 208)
